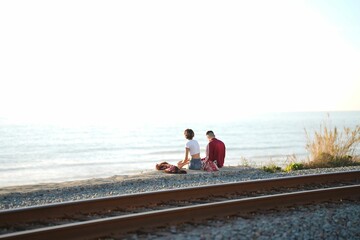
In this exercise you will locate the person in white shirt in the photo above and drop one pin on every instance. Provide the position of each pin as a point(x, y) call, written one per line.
point(192, 147)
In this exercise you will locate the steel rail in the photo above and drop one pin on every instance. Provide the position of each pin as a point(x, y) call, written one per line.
point(56, 210)
point(114, 226)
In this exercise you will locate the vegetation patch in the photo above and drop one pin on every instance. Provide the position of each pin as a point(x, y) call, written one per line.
point(272, 168)
point(294, 166)
point(330, 147)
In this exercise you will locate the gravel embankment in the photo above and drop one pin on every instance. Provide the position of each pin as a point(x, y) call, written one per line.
point(142, 183)
point(323, 221)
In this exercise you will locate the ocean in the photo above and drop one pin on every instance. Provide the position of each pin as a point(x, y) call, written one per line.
point(42, 153)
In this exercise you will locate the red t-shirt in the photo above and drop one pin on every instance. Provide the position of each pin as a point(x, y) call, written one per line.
point(216, 151)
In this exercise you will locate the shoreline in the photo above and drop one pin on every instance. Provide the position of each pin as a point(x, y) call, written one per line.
point(147, 174)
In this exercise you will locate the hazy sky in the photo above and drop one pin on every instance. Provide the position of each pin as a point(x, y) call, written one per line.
point(131, 61)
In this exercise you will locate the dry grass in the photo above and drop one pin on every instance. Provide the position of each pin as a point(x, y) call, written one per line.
point(330, 147)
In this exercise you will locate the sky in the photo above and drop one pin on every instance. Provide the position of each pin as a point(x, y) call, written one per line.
point(124, 62)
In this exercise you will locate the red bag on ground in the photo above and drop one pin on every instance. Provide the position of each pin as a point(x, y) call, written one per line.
point(209, 166)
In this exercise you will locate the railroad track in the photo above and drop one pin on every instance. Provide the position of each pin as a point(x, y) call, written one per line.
point(113, 216)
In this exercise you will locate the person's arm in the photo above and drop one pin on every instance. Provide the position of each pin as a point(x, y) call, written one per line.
point(186, 159)
point(207, 152)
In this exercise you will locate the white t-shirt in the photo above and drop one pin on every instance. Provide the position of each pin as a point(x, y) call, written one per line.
point(194, 146)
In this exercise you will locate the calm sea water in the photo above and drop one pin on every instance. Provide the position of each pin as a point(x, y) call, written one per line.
point(34, 153)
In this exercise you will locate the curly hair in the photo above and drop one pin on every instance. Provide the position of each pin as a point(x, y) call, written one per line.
point(189, 134)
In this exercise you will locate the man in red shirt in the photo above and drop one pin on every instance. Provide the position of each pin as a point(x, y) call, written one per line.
point(215, 150)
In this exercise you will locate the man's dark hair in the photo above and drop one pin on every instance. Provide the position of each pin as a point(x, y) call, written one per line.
point(189, 134)
point(210, 133)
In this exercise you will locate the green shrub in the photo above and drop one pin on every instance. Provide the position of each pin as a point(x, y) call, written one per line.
point(294, 167)
point(272, 168)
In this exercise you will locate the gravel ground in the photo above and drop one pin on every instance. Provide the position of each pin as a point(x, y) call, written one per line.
point(153, 181)
point(322, 221)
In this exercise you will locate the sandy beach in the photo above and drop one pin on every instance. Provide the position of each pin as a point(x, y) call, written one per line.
point(150, 174)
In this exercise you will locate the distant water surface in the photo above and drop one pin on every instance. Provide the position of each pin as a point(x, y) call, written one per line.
point(36, 153)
